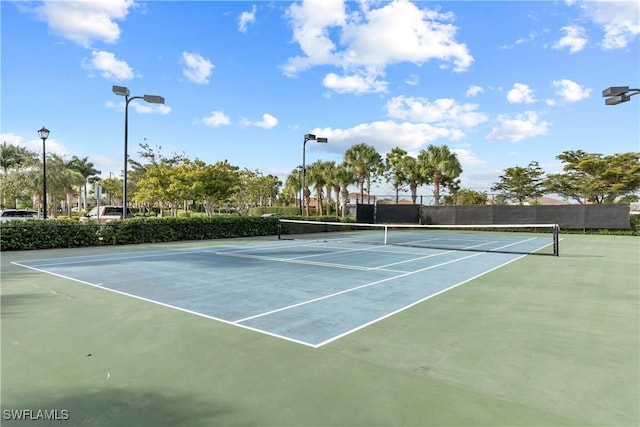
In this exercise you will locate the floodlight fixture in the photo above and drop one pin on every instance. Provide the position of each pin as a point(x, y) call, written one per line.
point(615, 91)
point(120, 90)
point(615, 100)
point(152, 99)
point(308, 137)
point(618, 94)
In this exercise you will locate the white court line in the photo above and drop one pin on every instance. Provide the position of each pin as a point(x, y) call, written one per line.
point(366, 285)
point(146, 254)
point(206, 316)
point(303, 262)
point(364, 325)
point(275, 335)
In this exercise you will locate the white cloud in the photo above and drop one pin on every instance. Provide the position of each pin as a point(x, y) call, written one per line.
point(217, 118)
point(311, 21)
point(268, 121)
point(10, 138)
point(444, 112)
point(53, 147)
point(570, 91)
point(110, 67)
point(384, 135)
point(620, 21)
point(354, 84)
point(474, 91)
point(85, 21)
point(197, 69)
point(371, 39)
point(520, 93)
point(466, 156)
point(144, 108)
point(526, 125)
point(574, 39)
point(412, 80)
point(532, 35)
point(399, 32)
point(246, 18)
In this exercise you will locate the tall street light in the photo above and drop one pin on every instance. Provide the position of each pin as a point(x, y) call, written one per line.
point(618, 94)
point(44, 134)
point(308, 137)
point(152, 99)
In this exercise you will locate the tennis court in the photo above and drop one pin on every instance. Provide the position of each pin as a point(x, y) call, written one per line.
point(325, 332)
point(309, 292)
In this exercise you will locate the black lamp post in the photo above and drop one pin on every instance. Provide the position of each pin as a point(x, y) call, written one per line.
point(44, 134)
point(153, 99)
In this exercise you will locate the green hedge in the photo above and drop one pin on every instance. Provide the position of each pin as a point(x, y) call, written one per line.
point(66, 233)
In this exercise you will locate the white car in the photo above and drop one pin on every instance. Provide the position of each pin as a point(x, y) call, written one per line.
point(104, 215)
point(18, 214)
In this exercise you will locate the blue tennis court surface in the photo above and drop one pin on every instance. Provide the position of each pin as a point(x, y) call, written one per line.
point(306, 292)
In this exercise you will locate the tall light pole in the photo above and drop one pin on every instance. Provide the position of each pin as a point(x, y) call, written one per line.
point(307, 137)
point(618, 94)
point(44, 134)
point(152, 99)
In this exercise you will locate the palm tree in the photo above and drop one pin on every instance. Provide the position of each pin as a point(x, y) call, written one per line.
point(62, 180)
point(87, 170)
point(344, 176)
point(13, 161)
point(316, 176)
point(329, 169)
point(292, 184)
point(366, 162)
point(414, 177)
point(14, 156)
point(396, 169)
point(440, 167)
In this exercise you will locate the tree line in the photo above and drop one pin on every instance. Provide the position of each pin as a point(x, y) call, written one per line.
point(177, 182)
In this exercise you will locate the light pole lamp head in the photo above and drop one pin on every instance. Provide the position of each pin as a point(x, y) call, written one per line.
point(615, 100)
point(309, 137)
point(153, 99)
point(321, 140)
point(120, 90)
point(615, 91)
point(44, 133)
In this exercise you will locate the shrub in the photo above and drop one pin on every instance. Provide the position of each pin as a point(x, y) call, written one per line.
point(66, 233)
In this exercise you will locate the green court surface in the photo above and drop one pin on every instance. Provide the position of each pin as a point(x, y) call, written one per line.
point(540, 341)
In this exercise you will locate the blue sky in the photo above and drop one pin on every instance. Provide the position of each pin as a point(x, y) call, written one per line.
point(500, 83)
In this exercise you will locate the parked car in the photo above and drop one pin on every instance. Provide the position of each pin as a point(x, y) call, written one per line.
point(18, 214)
point(104, 215)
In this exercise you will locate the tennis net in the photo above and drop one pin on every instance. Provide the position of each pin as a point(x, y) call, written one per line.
point(520, 239)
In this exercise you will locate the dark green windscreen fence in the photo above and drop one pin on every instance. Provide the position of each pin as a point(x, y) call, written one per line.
point(599, 216)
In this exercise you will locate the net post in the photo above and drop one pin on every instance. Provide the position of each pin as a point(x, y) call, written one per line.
point(386, 234)
point(556, 240)
point(279, 230)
